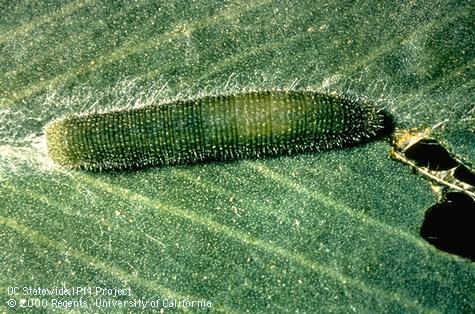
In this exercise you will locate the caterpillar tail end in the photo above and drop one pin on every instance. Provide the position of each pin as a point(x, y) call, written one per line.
point(59, 150)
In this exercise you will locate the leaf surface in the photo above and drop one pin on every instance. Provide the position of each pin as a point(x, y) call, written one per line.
point(334, 231)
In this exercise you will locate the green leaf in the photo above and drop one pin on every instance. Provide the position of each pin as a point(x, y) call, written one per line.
point(334, 231)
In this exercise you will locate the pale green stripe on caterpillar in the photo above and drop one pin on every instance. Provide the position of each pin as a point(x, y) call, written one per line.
point(218, 127)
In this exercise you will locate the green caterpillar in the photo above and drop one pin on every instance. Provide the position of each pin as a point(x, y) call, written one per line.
point(222, 127)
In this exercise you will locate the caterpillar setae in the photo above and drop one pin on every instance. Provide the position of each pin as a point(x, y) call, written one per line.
point(218, 127)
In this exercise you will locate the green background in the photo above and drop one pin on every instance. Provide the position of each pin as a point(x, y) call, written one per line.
point(334, 231)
